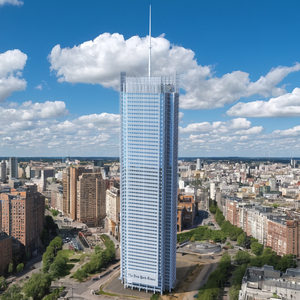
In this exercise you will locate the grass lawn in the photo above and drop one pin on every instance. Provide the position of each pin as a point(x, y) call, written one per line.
point(67, 253)
point(101, 292)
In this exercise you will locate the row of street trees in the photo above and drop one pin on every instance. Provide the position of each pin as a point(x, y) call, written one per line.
point(216, 280)
point(243, 258)
point(100, 259)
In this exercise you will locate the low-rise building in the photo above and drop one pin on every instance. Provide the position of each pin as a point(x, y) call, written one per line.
point(267, 283)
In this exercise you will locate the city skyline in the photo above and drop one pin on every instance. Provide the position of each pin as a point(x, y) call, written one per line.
point(60, 65)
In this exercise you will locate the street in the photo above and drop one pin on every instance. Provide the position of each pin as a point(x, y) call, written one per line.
point(82, 290)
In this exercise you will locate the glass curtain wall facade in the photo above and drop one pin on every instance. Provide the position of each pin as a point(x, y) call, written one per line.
point(149, 154)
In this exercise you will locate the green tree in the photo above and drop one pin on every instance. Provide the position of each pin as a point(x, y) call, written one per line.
point(213, 209)
point(54, 212)
point(80, 274)
point(3, 284)
point(234, 292)
point(236, 282)
point(253, 240)
point(97, 249)
point(48, 258)
point(54, 295)
point(20, 267)
point(14, 293)
point(287, 261)
point(56, 244)
point(242, 257)
point(37, 286)
point(10, 267)
point(242, 239)
point(257, 248)
point(219, 217)
point(268, 251)
point(58, 265)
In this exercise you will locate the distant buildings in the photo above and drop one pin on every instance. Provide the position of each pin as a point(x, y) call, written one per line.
point(55, 193)
point(13, 167)
point(212, 190)
point(3, 172)
point(23, 215)
point(198, 168)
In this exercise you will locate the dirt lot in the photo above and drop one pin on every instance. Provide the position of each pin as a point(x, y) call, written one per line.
point(188, 273)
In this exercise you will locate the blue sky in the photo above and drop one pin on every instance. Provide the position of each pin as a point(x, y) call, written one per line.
point(238, 60)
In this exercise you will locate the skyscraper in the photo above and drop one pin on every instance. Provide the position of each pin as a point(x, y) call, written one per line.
point(198, 167)
point(3, 171)
point(13, 167)
point(149, 154)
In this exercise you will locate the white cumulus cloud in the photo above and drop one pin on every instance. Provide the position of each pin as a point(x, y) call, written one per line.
point(295, 131)
point(11, 2)
point(103, 118)
point(36, 127)
point(221, 127)
point(100, 61)
point(11, 63)
point(287, 105)
point(253, 130)
point(29, 111)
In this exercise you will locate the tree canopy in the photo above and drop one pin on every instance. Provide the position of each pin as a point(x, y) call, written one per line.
point(257, 248)
point(37, 286)
point(242, 257)
point(100, 259)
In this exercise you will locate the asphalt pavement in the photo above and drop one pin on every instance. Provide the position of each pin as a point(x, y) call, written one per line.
point(82, 290)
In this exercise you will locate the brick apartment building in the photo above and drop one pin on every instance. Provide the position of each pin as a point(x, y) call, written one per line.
point(5, 251)
point(185, 212)
point(70, 179)
point(113, 212)
point(280, 231)
point(91, 205)
point(23, 212)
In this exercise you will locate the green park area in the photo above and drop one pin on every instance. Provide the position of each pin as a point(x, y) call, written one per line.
point(205, 233)
point(256, 255)
point(58, 263)
point(99, 260)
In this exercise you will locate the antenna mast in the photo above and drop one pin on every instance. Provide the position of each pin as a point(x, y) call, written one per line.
point(150, 42)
